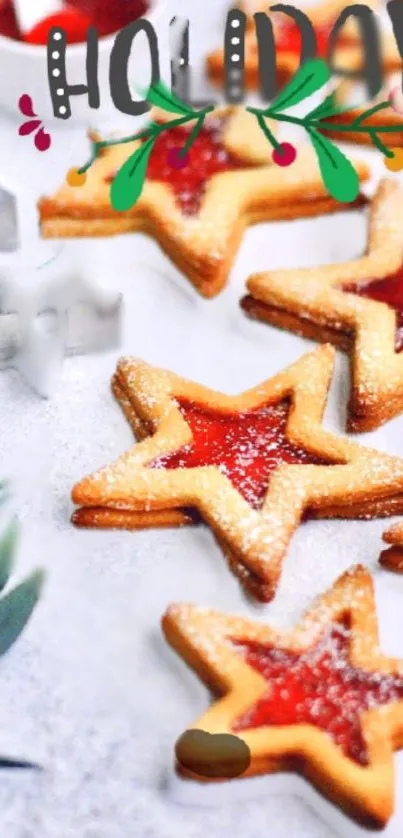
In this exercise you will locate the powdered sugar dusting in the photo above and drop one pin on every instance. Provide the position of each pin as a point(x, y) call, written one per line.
point(245, 447)
point(91, 689)
point(319, 687)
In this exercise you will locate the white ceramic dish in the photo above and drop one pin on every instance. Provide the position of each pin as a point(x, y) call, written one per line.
point(23, 69)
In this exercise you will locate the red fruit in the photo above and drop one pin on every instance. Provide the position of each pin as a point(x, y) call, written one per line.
point(8, 21)
point(74, 23)
point(177, 160)
point(29, 127)
point(284, 154)
point(42, 140)
point(111, 15)
point(288, 39)
point(25, 105)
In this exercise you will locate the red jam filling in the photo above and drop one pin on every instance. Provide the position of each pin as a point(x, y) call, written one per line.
point(288, 38)
point(8, 20)
point(107, 16)
point(247, 447)
point(206, 157)
point(388, 290)
point(319, 687)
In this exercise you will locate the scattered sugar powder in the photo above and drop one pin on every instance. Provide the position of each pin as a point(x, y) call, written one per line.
point(319, 687)
point(91, 689)
point(247, 447)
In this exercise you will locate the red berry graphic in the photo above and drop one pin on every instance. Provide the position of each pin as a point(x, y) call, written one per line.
point(284, 155)
point(176, 159)
point(29, 127)
point(25, 105)
point(42, 140)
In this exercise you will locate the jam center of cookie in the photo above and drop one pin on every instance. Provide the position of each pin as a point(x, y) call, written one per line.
point(246, 447)
point(206, 157)
point(388, 290)
point(319, 687)
point(288, 38)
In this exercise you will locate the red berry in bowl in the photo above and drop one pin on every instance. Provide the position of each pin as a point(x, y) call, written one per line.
point(74, 23)
point(284, 154)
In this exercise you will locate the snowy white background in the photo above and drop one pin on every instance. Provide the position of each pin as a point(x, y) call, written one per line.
point(91, 690)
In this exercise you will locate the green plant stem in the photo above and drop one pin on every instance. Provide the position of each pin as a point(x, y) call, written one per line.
point(379, 107)
point(330, 126)
point(380, 145)
point(152, 130)
point(192, 136)
point(270, 136)
point(304, 122)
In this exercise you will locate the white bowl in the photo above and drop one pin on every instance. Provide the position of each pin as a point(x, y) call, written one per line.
point(23, 69)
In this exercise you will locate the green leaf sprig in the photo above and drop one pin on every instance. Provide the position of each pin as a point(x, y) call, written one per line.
point(338, 173)
point(127, 185)
point(16, 606)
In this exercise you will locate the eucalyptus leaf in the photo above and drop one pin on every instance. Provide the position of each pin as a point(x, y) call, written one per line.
point(310, 78)
point(161, 97)
point(4, 491)
point(8, 543)
point(16, 609)
point(128, 183)
point(338, 173)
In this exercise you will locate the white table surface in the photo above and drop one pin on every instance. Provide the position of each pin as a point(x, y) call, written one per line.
point(91, 690)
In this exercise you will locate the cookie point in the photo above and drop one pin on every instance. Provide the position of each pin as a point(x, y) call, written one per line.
point(392, 559)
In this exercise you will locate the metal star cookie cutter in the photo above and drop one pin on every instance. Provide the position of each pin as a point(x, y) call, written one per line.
point(48, 307)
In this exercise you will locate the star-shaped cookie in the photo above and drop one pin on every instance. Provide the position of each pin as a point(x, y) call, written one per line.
point(251, 465)
point(392, 557)
point(322, 15)
point(321, 700)
point(356, 305)
point(199, 213)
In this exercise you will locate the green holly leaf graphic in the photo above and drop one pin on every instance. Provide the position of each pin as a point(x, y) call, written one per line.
point(310, 78)
point(338, 174)
point(127, 185)
point(161, 97)
point(8, 543)
point(16, 609)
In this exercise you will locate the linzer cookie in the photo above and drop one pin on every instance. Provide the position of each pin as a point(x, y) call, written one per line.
point(323, 15)
point(356, 305)
point(392, 557)
point(321, 700)
point(198, 213)
point(250, 465)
